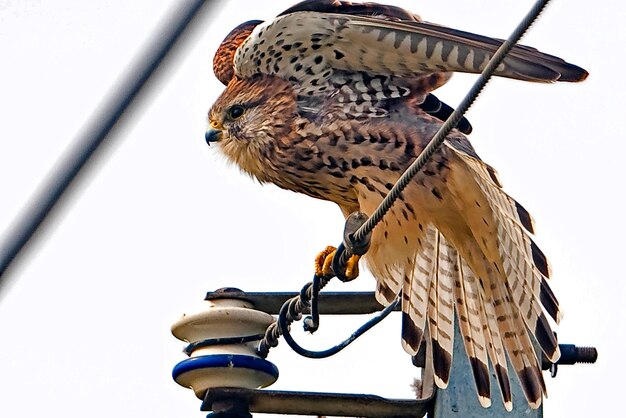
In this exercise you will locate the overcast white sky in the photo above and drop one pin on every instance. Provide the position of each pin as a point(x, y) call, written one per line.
point(84, 326)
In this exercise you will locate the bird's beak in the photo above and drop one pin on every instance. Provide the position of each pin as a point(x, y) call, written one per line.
point(212, 135)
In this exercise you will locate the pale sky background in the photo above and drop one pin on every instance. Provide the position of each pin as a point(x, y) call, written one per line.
point(85, 324)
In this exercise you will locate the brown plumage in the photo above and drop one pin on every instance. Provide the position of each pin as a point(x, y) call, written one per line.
point(333, 99)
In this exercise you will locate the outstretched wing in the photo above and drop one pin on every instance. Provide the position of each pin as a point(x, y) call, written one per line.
point(309, 44)
point(363, 58)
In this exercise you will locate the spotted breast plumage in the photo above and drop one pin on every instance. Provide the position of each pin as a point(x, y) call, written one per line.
point(334, 100)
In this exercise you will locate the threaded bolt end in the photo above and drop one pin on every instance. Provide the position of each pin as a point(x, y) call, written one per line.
point(586, 354)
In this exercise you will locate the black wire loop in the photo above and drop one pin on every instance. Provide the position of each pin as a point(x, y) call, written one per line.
point(340, 260)
point(284, 326)
point(291, 311)
point(312, 322)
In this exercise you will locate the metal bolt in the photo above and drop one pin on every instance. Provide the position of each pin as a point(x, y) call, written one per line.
point(571, 354)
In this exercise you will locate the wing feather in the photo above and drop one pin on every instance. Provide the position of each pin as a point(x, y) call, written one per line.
point(305, 45)
point(524, 272)
point(518, 345)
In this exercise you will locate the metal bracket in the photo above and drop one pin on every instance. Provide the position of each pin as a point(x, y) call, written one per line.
point(455, 401)
point(313, 403)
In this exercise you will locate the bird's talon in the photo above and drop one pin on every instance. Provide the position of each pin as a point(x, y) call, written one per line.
point(352, 267)
point(324, 262)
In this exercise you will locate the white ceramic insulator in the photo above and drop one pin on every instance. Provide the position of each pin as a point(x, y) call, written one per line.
point(226, 365)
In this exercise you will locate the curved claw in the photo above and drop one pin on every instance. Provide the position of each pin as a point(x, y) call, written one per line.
point(324, 265)
point(352, 268)
point(324, 261)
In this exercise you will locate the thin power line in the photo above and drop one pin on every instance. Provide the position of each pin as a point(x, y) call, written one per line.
point(436, 142)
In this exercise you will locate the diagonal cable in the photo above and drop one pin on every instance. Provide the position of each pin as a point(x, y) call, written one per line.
point(96, 131)
point(293, 309)
point(436, 142)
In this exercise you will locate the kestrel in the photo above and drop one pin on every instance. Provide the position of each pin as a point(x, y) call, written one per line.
point(333, 99)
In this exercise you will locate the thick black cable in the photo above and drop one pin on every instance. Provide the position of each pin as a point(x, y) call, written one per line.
point(95, 132)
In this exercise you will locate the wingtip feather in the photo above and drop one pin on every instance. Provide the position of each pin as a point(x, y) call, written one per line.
point(442, 361)
point(412, 335)
point(441, 384)
point(532, 385)
point(481, 378)
point(549, 302)
point(502, 376)
point(508, 406)
point(485, 402)
point(540, 260)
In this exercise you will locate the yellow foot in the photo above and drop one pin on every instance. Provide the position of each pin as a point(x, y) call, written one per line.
point(324, 264)
point(352, 267)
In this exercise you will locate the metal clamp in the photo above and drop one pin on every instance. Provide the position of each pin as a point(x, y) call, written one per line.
point(350, 246)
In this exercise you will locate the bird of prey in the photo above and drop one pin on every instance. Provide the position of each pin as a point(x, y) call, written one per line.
point(333, 99)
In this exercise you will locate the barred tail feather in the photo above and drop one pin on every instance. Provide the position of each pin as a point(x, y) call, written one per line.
point(418, 273)
point(468, 305)
point(496, 350)
point(441, 309)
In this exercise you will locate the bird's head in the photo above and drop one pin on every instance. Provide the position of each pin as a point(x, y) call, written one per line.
point(249, 119)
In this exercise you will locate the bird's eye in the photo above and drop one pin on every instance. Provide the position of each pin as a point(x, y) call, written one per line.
point(235, 112)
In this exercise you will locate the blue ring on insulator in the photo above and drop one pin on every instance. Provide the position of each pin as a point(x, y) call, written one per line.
point(225, 360)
